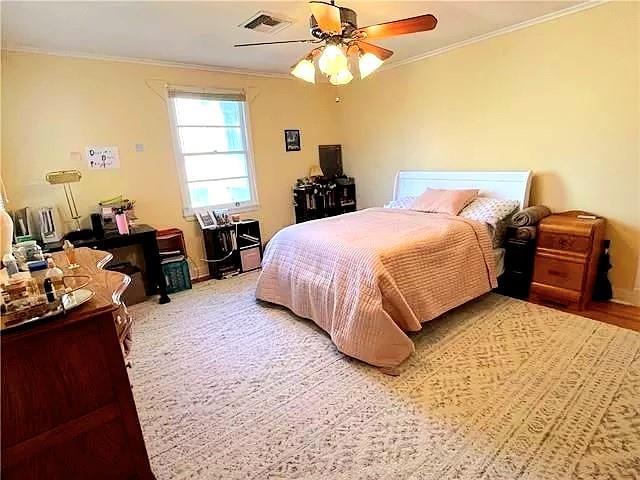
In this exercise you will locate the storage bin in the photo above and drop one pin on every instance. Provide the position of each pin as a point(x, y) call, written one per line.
point(177, 275)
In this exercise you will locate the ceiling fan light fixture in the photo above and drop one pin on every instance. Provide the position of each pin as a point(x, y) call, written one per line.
point(305, 70)
point(368, 63)
point(332, 60)
point(340, 41)
point(342, 77)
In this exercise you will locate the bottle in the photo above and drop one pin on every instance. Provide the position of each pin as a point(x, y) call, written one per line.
point(122, 222)
point(10, 263)
point(70, 252)
point(6, 224)
point(38, 269)
point(55, 275)
point(49, 290)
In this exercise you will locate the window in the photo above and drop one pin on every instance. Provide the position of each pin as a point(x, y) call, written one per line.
point(213, 150)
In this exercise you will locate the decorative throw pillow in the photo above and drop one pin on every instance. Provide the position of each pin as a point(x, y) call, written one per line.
point(495, 212)
point(404, 202)
point(444, 201)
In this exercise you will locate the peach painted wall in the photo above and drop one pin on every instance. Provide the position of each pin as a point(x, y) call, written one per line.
point(53, 106)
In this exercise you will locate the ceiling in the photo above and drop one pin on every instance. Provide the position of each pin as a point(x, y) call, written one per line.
point(203, 33)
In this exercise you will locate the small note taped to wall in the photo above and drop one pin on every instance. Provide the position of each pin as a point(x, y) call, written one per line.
point(101, 158)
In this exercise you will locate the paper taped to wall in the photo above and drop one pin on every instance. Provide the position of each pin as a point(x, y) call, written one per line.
point(100, 158)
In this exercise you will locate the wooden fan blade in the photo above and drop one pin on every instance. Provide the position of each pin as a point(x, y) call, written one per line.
point(327, 16)
point(423, 23)
point(381, 53)
point(309, 40)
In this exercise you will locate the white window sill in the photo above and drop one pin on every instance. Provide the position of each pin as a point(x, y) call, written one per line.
point(189, 216)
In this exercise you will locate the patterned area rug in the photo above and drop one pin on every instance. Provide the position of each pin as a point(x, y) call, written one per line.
point(497, 389)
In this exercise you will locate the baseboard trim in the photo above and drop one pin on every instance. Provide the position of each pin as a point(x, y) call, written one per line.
point(626, 296)
point(202, 278)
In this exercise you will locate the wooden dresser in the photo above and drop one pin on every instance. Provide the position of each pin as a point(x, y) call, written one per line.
point(67, 407)
point(566, 259)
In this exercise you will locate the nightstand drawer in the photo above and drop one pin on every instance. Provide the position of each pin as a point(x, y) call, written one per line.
point(554, 296)
point(561, 241)
point(559, 273)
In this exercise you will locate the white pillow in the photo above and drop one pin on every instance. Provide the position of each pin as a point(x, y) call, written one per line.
point(404, 202)
point(495, 212)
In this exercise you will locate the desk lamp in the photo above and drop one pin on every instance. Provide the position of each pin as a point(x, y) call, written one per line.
point(66, 178)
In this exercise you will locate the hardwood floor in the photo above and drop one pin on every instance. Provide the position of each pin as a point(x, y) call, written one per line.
point(625, 316)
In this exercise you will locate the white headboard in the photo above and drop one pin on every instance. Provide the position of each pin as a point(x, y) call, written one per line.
point(512, 185)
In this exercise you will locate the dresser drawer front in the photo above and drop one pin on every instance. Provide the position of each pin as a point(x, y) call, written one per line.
point(558, 273)
point(554, 296)
point(560, 241)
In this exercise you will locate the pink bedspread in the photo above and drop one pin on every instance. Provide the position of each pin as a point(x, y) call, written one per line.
point(368, 277)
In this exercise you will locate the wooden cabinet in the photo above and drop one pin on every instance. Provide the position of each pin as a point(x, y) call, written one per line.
point(566, 259)
point(67, 407)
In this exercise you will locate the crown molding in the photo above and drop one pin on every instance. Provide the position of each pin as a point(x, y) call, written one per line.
point(147, 61)
point(496, 33)
point(256, 73)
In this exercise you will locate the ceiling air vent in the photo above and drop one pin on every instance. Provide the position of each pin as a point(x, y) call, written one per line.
point(267, 22)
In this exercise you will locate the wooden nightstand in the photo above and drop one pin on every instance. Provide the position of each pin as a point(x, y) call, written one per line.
point(566, 259)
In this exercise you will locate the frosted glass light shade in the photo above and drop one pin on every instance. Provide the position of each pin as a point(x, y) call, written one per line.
point(332, 60)
point(341, 77)
point(305, 70)
point(368, 64)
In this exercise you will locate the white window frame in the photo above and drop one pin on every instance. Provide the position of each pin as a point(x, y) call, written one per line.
point(188, 210)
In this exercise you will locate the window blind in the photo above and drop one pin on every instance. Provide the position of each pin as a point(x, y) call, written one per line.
point(221, 96)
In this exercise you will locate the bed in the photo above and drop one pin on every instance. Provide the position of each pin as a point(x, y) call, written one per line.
point(371, 277)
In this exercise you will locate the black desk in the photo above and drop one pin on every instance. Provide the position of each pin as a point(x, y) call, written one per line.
point(142, 235)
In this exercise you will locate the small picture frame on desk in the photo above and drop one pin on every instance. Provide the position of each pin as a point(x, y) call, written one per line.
point(292, 140)
point(206, 218)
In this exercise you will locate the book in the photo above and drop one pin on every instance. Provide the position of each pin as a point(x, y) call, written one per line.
point(251, 238)
point(176, 258)
point(167, 253)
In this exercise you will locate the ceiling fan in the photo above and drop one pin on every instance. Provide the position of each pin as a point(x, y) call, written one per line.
point(336, 29)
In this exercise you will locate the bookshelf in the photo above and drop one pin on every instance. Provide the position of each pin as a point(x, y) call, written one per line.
point(233, 248)
point(324, 198)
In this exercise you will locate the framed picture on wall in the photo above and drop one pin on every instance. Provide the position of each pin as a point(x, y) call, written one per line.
point(292, 140)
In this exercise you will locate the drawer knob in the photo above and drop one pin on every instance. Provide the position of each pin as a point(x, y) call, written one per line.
point(558, 273)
